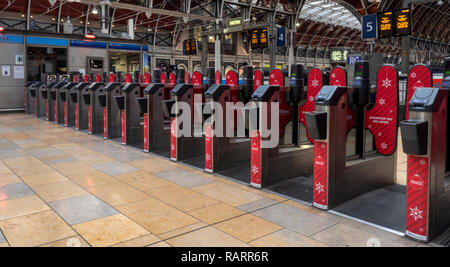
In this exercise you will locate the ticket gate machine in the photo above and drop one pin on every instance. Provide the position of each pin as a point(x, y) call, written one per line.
point(111, 124)
point(425, 137)
point(229, 156)
point(44, 98)
point(289, 157)
point(115, 105)
point(95, 109)
point(69, 105)
point(132, 122)
point(190, 149)
point(81, 122)
point(33, 98)
point(58, 103)
point(361, 185)
point(27, 98)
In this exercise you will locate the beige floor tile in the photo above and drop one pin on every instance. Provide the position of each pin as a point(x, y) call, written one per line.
point(216, 213)
point(110, 230)
point(286, 238)
point(117, 193)
point(75, 167)
point(16, 207)
point(140, 241)
point(16, 136)
point(206, 237)
point(27, 166)
point(142, 180)
point(43, 178)
point(160, 245)
point(228, 194)
point(156, 216)
point(153, 165)
point(181, 198)
point(341, 235)
point(74, 241)
point(35, 229)
point(248, 227)
point(58, 191)
point(304, 207)
point(92, 158)
point(183, 230)
point(9, 179)
point(92, 179)
point(4, 245)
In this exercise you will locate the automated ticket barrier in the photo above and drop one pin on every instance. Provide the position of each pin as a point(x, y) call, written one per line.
point(190, 149)
point(156, 129)
point(115, 105)
point(95, 108)
point(229, 155)
point(27, 98)
point(289, 157)
point(111, 114)
point(58, 103)
point(34, 99)
point(360, 184)
point(44, 98)
point(69, 105)
point(132, 122)
point(77, 100)
point(84, 100)
point(425, 137)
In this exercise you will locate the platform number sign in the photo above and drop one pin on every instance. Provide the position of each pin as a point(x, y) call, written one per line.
point(281, 37)
point(369, 26)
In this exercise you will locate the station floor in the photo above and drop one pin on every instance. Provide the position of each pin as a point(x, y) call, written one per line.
point(59, 187)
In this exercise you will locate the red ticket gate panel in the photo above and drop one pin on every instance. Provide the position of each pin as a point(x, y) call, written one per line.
point(315, 83)
point(419, 76)
point(218, 78)
point(258, 79)
point(381, 119)
point(187, 79)
point(338, 77)
point(127, 79)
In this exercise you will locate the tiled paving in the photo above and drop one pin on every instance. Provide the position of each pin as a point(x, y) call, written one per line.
point(59, 187)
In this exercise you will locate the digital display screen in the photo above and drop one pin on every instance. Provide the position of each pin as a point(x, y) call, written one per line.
point(254, 37)
point(189, 47)
point(339, 56)
point(447, 67)
point(264, 40)
point(402, 22)
point(385, 24)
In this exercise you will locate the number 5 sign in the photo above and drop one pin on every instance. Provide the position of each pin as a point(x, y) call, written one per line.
point(369, 26)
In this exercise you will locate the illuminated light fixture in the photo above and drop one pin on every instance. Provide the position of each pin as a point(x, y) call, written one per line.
point(53, 19)
point(2, 29)
point(23, 15)
point(95, 10)
point(90, 36)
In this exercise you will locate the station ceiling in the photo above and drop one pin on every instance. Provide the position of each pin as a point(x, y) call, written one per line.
point(320, 23)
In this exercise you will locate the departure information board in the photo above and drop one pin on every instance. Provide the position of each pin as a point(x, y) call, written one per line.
point(259, 38)
point(189, 47)
point(254, 37)
point(385, 24)
point(264, 39)
point(402, 22)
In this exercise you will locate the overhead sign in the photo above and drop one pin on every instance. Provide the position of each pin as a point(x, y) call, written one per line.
point(353, 59)
point(385, 24)
point(189, 47)
point(254, 37)
point(234, 22)
point(402, 22)
point(281, 37)
point(369, 26)
point(263, 39)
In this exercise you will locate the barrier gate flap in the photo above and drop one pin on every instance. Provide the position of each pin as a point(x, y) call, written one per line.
point(315, 83)
point(172, 78)
point(277, 78)
point(218, 78)
point(186, 77)
point(419, 76)
point(381, 120)
point(258, 79)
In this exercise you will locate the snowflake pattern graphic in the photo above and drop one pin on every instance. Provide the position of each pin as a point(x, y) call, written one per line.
point(382, 101)
point(320, 188)
point(333, 75)
point(413, 75)
point(416, 213)
point(311, 99)
point(208, 157)
point(172, 147)
point(255, 169)
point(387, 83)
point(315, 83)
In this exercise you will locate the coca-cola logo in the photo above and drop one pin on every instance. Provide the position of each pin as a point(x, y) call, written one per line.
point(320, 161)
point(417, 183)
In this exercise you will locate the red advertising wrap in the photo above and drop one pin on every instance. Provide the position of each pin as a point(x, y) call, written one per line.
point(417, 197)
point(90, 119)
point(419, 76)
point(218, 78)
point(172, 78)
point(146, 147)
point(173, 139)
point(255, 171)
point(232, 79)
point(315, 83)
point(77, 124)
point(127, 78)
point(208, 147)
point(186, 78)
point(258, 79)
point(277, 78)
point(321, 175)
point(124, 132)
point(47, 115)
point(55, 106)
point(381, 119)
point(65, 114)
point(338, 77)
point(105, 124)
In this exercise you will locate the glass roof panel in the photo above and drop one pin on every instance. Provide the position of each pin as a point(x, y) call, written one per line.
point(329, 12)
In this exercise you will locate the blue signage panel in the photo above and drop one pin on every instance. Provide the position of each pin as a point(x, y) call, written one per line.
point(134, 47)
point(351, 60)
point(5, 38)
point(79, 43)
point(369, 27)
point(281, 37)
point(145, 48)
point(45, 41)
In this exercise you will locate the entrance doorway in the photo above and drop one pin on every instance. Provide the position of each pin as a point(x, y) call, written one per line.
point(123, 62)
point(43, 61)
